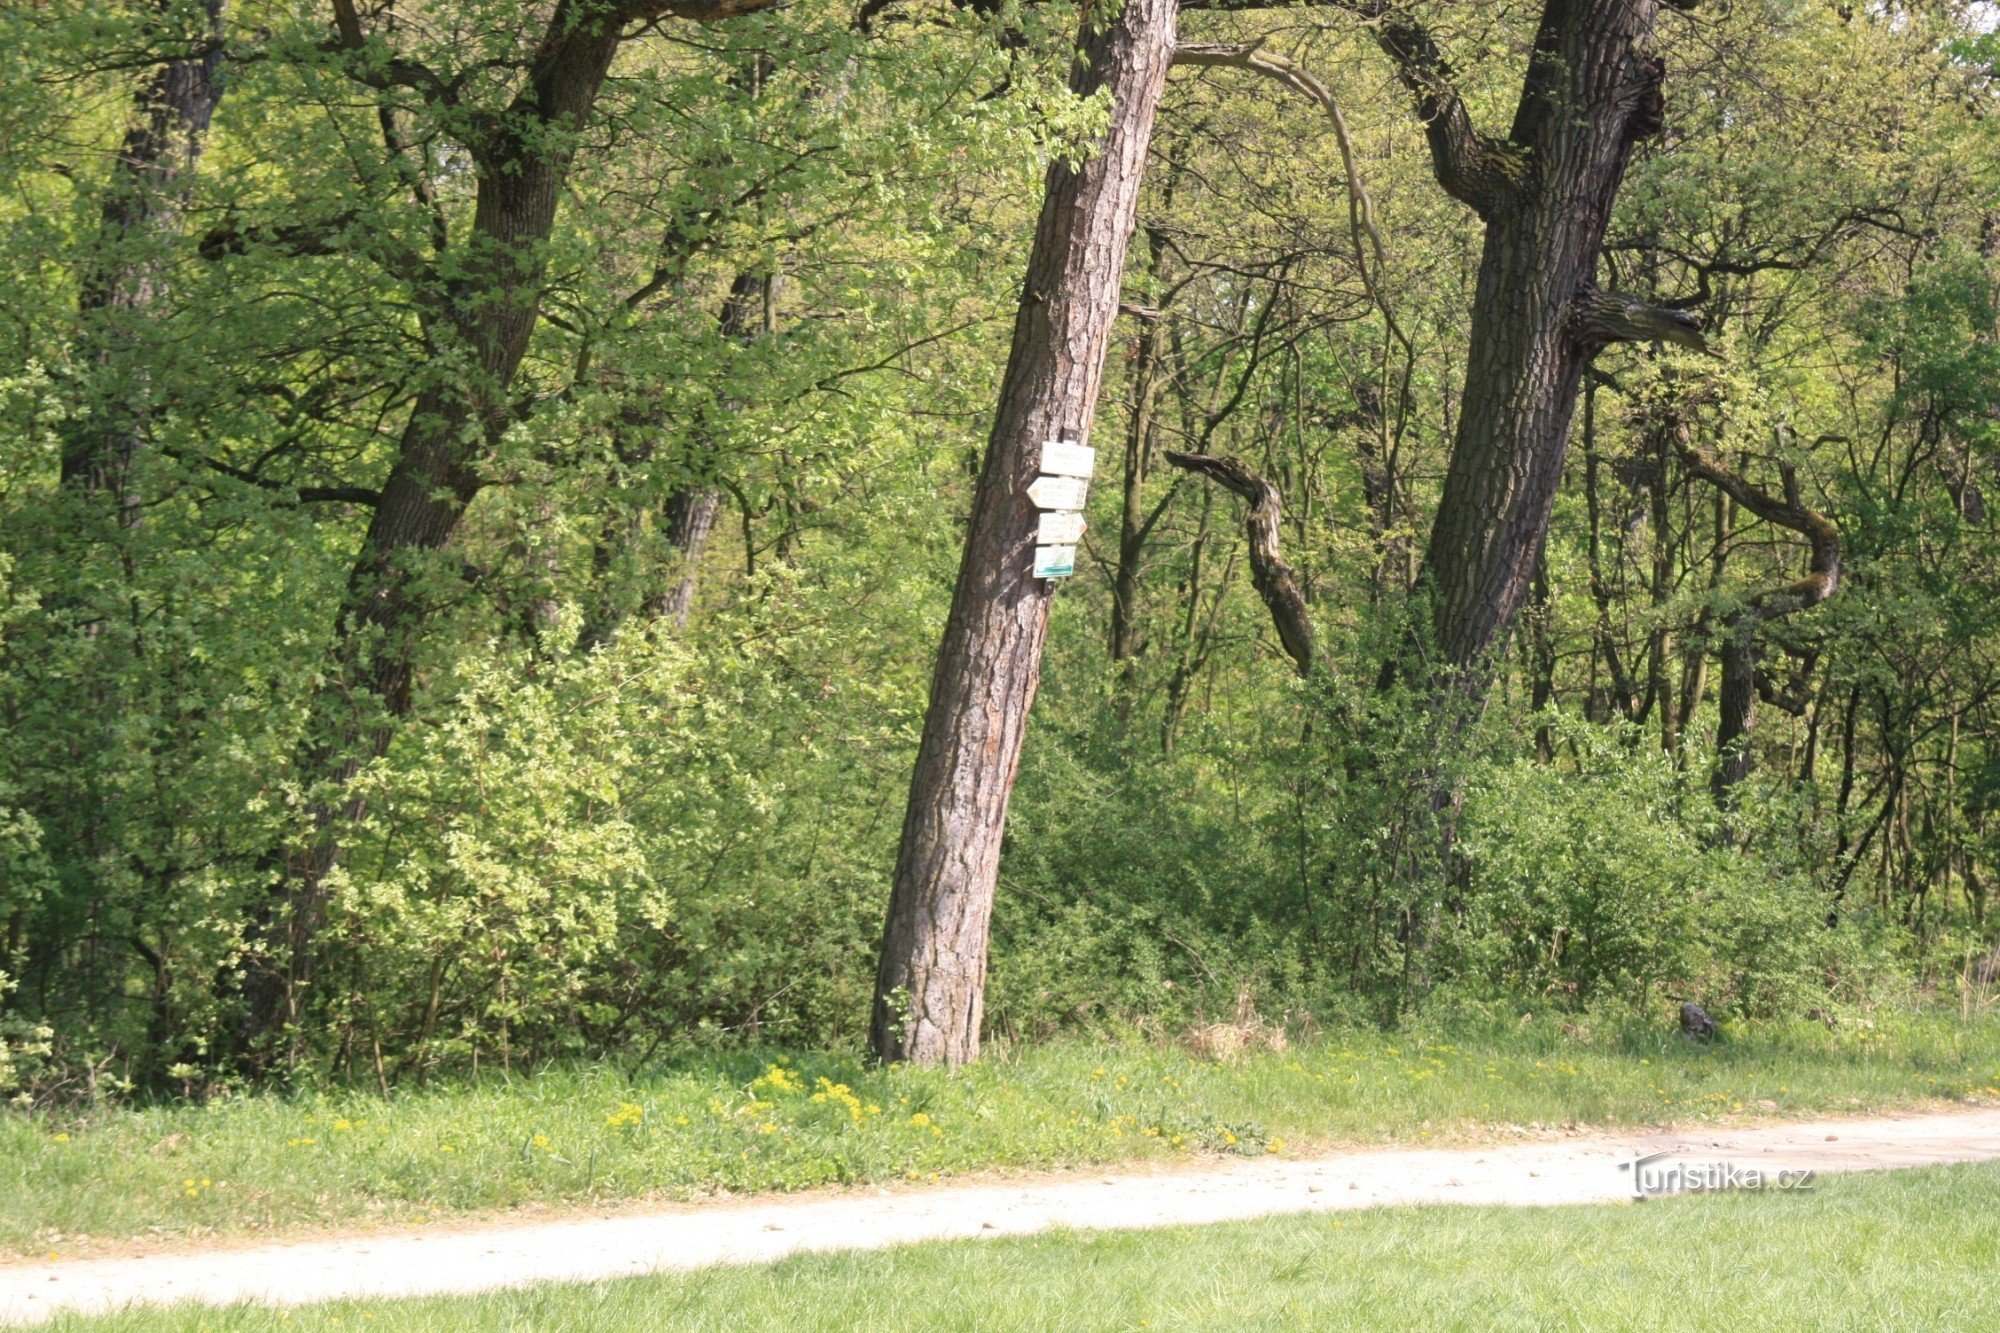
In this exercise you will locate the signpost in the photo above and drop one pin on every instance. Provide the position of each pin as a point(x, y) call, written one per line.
point(1055, 562)
point(1060, 458)
point(1059, 493)
point(1060, 529)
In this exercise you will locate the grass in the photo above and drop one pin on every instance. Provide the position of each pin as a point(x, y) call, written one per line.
point(77, 1185)
point(1909, 1249)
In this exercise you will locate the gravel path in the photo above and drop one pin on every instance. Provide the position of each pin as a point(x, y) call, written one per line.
point(754, 1230)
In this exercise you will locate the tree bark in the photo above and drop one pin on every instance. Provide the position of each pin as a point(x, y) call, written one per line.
point(1263, 520)
point(1545, 193)
point(141, 206)
point(930, 987)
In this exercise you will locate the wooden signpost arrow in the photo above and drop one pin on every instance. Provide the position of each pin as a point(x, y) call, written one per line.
point(1059, 529)
point(1058, 492)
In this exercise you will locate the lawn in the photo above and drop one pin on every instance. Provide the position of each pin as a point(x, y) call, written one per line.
point(1906, 1250)
point(74, 1185)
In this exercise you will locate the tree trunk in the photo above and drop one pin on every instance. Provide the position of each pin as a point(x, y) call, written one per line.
point(1545, 193)
point(931, 984)
point(690, 510)
point(1742, 630)
point(141, 206)
point(1134, 525)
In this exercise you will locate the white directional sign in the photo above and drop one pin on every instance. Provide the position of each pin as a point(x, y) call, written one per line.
point(1060, 529)
point(1058, 492)
point(1055, 562)
point(1064, 459)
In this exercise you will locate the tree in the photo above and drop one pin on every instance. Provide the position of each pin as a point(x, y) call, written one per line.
point(122, 282)
point(484, 313)
point(930, 987)
point(1544, 192)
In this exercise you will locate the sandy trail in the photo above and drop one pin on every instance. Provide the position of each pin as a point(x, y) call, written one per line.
point(1576, 1170)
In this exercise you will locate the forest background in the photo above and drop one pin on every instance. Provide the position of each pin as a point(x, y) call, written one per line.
point(699, 414)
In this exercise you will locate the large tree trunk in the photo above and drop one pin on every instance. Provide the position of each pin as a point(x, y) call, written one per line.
point(932, 980)
point(1545, 193)
point(125, 280)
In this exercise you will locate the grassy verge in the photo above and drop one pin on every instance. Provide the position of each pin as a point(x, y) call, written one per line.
point(1911, 1249)
point(765, 1121)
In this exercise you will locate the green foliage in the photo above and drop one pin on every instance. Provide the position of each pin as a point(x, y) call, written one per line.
point(600, 831)
point(1617, 878)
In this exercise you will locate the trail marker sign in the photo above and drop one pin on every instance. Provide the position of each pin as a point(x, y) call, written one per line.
point(1058, 492)
point(1055, 562)
point(1061, 458)
point(1059, 529)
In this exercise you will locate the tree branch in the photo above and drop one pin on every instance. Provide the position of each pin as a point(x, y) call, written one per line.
point(1823, 577)
point(1360, 206)
point(1472, 167)
point(1272, 577)
point(1601, 318)
point(360, 495)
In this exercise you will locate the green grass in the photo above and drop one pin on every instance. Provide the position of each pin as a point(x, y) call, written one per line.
point(1903, 1250)
point(72, 1185)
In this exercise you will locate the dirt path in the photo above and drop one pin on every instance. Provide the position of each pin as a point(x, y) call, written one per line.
point(1580, 1170)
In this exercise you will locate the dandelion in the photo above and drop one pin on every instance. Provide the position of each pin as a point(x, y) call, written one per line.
point(628, 1113)
point(839, 1094)
point(777, 1078)
point(920, 1120)
point(62, 1138)
point(541, 1140)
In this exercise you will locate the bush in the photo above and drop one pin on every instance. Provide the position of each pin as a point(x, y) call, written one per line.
point(1616, 877)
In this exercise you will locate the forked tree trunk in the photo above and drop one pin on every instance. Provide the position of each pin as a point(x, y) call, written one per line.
point(522, 165)
point(930, 986)
point(1545, 193)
